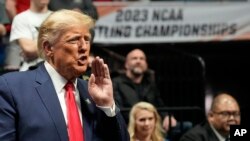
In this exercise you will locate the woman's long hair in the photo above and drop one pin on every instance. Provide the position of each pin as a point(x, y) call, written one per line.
point(157, 134)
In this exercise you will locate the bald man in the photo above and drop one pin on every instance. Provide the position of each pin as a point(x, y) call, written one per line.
point(136, 85)
point(224, 111)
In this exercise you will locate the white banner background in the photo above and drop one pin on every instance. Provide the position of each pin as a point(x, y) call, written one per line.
point(162, 22)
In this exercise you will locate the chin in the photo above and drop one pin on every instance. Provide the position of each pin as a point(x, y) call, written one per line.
point(78, 70)
point(82, 69)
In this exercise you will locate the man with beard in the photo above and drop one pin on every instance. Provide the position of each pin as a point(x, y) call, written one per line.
point(136, 85)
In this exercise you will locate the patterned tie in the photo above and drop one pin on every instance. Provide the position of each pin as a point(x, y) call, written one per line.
point(75, 130)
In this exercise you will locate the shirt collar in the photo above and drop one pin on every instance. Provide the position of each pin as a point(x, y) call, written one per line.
point(219, 136)
point(58, 80)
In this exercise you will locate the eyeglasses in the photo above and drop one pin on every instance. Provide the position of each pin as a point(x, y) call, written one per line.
point(228, 114)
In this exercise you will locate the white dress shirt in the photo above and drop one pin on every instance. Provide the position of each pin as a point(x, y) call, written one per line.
point(59, 82)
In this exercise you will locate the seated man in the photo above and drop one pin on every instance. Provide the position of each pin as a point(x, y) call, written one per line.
point(136, 85)
point(224, 112)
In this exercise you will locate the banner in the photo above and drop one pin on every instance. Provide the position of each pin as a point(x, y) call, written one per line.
point(166, 22)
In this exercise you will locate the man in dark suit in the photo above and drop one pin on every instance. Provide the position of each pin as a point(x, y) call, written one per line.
point(33, 104)
point(224, 112)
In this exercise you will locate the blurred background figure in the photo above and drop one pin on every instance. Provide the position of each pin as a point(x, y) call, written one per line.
point(13, 59)
point(138, 84)
point(3, 19)
point(225, 111)
point(24, 32)
point(85, 6)
point(14, 7)
point(3, 31)
point(145, 123)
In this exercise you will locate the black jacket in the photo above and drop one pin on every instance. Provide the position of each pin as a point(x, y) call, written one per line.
point(128, 93)
point(201, 132)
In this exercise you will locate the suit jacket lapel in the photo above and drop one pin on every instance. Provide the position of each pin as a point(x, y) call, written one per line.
point(87, 110)
point(49, 97)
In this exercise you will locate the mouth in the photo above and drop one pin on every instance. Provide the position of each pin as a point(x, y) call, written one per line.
point(82, 60)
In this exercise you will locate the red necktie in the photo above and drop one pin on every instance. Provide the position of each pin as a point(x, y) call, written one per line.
point(75, 130)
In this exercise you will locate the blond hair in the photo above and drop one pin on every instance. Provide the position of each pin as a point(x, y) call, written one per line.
point(157, 134)
point(57, 23)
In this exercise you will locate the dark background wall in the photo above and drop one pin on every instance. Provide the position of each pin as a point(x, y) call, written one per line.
point(184, 71)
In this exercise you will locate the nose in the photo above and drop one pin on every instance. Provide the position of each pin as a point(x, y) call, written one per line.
point(231, 116)
point(146, 122)
point(83, 44)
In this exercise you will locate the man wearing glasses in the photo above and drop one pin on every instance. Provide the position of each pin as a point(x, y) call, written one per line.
point(225, 111)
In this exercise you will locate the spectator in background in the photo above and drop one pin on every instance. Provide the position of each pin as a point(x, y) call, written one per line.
point(225, 111)
point(145, 123)
point(3, 20)
point(137, 85)
point(3, 31)
point(24, 31)
point(14, 7)
point(85, 6)
point(13, 59)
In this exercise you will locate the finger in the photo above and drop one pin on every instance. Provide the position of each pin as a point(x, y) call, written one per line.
point(91, 85)
point(98, 66)
point(106, 71)
point(93, 68)
point(91, 80)
point(102, 74)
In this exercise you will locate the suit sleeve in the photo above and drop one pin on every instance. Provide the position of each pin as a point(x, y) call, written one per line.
point(111, 128)
point(7, 113)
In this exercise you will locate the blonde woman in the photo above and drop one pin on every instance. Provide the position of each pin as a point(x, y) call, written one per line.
point(145, 123)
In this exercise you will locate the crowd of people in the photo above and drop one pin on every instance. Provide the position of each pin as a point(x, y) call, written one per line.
point(65, 93)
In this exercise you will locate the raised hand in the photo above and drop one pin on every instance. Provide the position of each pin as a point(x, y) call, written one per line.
point(100, 84)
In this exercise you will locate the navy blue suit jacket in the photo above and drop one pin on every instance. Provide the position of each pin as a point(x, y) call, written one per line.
point(30, 111)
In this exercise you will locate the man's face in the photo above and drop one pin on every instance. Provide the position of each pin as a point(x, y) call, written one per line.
point(144, 122)
point(226, 113)
point(70, 53)
point(136, 62)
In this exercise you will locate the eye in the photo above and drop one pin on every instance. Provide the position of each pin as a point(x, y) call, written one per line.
point(87, 38)
point(142, 119)
point(74, 40)
point(150, 119)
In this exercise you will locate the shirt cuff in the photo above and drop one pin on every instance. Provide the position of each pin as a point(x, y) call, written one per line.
point(109, 111)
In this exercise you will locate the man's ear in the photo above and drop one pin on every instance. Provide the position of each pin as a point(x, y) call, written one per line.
point(210, 115)
point(126, 65)
point(48, 49)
